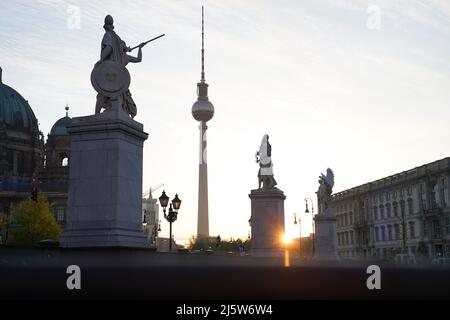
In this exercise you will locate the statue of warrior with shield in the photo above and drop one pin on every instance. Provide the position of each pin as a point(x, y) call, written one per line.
point(110, 78)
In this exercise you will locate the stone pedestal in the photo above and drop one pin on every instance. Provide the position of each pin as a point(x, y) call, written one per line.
point(325, 235)
point(267, 222)
point(105, 184)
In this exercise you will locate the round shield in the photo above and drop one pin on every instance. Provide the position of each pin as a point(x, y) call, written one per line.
point(110, 78)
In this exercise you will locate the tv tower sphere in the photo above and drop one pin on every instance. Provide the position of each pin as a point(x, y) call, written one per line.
point(202, 110)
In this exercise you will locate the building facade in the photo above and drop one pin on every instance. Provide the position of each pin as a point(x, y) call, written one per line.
point(151, 222)
point(26, 160)
point(408, 212)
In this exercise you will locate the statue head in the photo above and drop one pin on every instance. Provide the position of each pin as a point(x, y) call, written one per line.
point(109, 23)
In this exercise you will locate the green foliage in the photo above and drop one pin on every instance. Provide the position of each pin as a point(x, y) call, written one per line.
point(3, 223)
point(3, 220)
point(231, 245)
point(422, 249)
point(33, 222)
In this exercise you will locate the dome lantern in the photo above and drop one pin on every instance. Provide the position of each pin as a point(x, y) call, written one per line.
point(60, 126)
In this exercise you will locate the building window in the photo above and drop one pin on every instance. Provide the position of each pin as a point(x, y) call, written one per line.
point(63, 159)
point(60, 214)
point(389, 231)
point(351, 237)
point(410, 206)
point(425, 228)
point(436, 229)
point(397, 231)
point(412, 230)
point(375, 212)
point(351, 217)
point(383, 234)
point(447, 222)
point(423, 197)
point(377, 236)
point(395, 208)
point(381, 212)
point(388, 210)
point(402, 207)
point(346, 238)
point(444, 195)
point(434, 193)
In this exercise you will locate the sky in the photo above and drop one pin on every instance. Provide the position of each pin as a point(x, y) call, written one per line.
point(362, 87)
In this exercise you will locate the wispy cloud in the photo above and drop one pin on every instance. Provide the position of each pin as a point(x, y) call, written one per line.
point(330, 91)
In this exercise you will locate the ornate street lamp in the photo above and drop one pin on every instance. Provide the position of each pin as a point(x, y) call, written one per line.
point(164, 200)
point(176, 202)
point(312, 222)
point(300, 234)
point(144, 221)
point(171, 217)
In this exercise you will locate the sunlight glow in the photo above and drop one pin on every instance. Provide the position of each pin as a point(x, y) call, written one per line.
point(286, 239)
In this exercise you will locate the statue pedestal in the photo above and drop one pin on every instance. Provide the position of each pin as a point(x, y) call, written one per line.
point(325, 236)
point(105, 182)
point(267, 222)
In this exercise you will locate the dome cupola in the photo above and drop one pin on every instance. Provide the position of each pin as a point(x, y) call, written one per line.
point(15, 112)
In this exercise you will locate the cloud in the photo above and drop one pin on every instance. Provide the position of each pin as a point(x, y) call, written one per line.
point(329, 91)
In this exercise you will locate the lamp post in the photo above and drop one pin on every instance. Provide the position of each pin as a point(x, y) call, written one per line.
point(173, 212)
point(312, 222)
point(300, 234)
point(156, 230)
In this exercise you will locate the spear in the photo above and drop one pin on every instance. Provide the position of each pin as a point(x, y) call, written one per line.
point(144, 43)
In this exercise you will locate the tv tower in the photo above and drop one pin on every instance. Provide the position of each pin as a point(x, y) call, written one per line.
point(202, 111)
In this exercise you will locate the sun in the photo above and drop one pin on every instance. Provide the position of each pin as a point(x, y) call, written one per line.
point(286, 239)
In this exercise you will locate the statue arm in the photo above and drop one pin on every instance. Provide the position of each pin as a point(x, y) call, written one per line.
point(136, 59)
point(106, 51)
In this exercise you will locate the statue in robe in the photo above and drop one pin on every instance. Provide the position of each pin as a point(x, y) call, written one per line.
point(264, 158)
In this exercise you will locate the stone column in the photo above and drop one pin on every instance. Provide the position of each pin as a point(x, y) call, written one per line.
point(325, 235)
point(267, 222)
point(105, 182)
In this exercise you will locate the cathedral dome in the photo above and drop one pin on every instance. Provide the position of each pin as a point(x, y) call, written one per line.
point(60, 126)
point(15, 112)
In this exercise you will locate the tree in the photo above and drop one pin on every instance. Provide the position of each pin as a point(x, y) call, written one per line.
point(231, 245)
point(34, 222)
point(3, 223)
point(422, 250)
